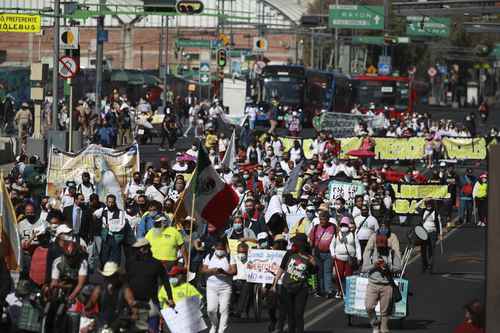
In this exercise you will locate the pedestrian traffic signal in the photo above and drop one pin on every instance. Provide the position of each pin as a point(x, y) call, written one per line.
point(189, 7)
point(221, 58)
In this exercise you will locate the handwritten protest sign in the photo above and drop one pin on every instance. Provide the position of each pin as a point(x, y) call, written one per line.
point(347, 190)
point(186, 317)
point(262, 265)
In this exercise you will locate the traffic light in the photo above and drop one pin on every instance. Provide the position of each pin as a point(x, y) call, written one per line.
point(189, 7)
point(221, 58)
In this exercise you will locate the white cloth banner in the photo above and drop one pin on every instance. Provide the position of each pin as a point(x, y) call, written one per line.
point(186, 317)
point(262, 265)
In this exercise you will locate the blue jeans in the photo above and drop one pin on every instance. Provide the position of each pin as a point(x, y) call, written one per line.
point(465, 210)
point(325, 272)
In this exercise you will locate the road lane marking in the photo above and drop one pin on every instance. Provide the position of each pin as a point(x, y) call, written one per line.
point(328, 312)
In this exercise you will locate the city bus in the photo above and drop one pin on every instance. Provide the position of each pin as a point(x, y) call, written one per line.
point(300, 88)
point(393, 94)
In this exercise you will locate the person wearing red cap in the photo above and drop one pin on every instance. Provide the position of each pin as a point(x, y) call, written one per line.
point(480, 197)
point(180, 287)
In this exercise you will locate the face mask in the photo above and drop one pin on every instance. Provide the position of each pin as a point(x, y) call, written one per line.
point(220, 253)
point(174, 281)
point(31, 218)
point(365, 214)
point(344, 229)
point(238, 226)
point(376, 207)
point(264, 245)
point(243, 257)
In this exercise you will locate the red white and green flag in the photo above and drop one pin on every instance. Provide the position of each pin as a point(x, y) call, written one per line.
point(214, 200)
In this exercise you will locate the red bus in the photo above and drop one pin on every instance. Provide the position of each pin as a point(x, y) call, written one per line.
point(381, 93)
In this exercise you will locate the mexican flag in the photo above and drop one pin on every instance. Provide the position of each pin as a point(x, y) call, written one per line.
point(214, 200)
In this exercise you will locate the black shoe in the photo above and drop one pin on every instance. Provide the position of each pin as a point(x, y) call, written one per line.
point(271, 327)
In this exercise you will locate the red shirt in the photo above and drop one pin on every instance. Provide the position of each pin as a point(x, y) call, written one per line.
point(468, 328)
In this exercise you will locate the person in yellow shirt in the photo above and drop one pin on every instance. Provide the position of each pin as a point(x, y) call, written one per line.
point(166, 243)
point(180, 287)
point(303, 226)
point(480, 196)
point(211, 140)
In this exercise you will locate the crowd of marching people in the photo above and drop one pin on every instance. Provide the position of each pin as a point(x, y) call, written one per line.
point(89, 255)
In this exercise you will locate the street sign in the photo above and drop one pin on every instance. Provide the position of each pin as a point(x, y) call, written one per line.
point(102, 36)
point(376, 40)
point(384, 65)
point(432, 71)
point(204, 78)
point(20, 23)
point(204, 67)
point(69, 38)
point(428, 26)
point(356, 17)
point(195, 43)
point(67, 67)
point(260, 44)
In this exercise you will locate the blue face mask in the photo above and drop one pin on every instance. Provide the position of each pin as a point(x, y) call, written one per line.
point(174, 281)
point(264, 245)
point(238, 226)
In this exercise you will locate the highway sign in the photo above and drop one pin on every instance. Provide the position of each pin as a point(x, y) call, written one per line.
point(20, 23)
point(69, 38)
point(428, 26)
point(67, 67)
point(432, 71)
point(356, 17)
point(204, 78)
point(376, 40)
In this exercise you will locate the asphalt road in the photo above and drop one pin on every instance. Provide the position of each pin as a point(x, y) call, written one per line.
point(438, 298)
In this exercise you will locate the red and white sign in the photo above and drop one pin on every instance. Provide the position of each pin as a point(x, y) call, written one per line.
point(67, 67)
point(432, 71)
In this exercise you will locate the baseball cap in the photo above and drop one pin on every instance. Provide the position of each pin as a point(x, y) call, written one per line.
point(63, 229)
point(176, 270)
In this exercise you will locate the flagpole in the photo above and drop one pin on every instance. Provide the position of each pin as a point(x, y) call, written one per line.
point(191, 231)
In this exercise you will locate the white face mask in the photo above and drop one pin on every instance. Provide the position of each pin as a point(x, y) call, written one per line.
point(220, 253)
point(344, 229)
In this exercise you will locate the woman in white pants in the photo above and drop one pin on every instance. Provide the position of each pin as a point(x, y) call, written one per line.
point(220, 273)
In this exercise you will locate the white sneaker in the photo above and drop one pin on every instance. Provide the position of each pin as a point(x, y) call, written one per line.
point(376, 330)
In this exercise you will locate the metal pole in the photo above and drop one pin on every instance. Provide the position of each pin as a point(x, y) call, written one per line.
point(55, 65)
point(161, 64)
point(312, 50)
point(70, 145)
point(99, 57)
point(387, 8)
point(337, 46)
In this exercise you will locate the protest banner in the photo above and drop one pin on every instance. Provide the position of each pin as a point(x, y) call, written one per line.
point(262, 265)
point(399, 148)
point(186, 317)
point(348, 144)
point(342, 125)
point(110, 170)
point(408, 196)
point(465, 148)
point(355, 296)
point(347, 190)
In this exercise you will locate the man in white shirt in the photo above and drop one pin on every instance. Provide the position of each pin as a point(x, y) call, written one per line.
point(156, 191)
point(68, 195)
point(86, 187)
point(366, 226)
point(134, 185)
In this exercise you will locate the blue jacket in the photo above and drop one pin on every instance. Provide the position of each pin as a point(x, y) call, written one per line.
point(147, 223)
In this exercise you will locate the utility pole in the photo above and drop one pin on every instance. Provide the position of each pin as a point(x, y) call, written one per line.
point(99, 56)
point(55, 66)
point(387, 26)
point(337, 46)
point(161, 67)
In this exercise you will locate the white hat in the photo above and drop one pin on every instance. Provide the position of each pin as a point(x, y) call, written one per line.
point(63, 229)
point(140, 243)
point(262, 236)
point(110, 268)
point(311, 207)
point(442, 164)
